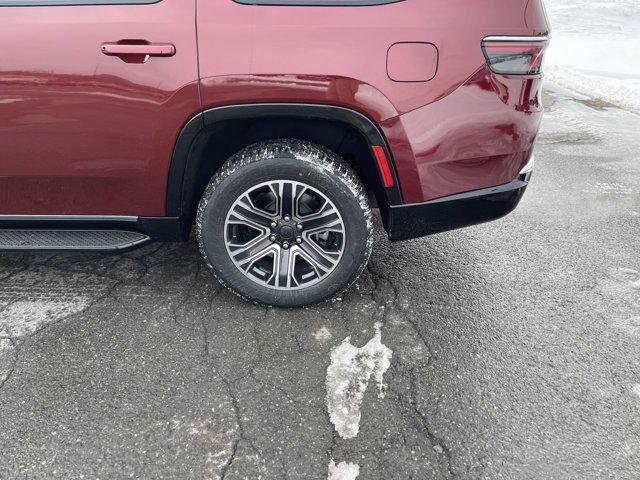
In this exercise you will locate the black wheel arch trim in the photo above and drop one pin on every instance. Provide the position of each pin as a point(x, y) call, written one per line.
point(182, 154)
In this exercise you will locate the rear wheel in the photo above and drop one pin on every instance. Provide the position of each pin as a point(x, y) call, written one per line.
point(285, 223)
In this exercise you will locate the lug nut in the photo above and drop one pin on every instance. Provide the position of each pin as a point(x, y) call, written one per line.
point(285, 245)
point(299, 226)
point(272, 238)
point(299, 240)
point(274, 224)
point(287, 218)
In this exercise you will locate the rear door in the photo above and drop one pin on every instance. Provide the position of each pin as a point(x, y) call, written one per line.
point(92, 97)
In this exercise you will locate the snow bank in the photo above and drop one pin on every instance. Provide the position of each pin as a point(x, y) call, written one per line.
point(595, 49)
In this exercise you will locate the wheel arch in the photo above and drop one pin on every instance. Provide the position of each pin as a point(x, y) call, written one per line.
point(211, 137)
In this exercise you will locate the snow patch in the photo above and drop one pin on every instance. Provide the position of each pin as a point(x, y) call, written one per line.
point(343, 471)
point(22, 318)
point(6, 358)
point(609, 188)
point(636, 389)
point(632, 276)
point(348, 377)
point(622, 285)
point(216, 462)
point(323, 335)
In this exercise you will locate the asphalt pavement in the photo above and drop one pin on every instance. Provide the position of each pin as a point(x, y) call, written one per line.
point(515, 347)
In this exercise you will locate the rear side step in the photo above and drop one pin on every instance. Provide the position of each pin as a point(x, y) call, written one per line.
point(94, 240)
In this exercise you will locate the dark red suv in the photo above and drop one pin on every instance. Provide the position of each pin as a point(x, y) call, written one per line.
point(272, 126)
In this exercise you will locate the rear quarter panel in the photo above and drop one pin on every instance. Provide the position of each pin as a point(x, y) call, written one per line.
point(338, 55)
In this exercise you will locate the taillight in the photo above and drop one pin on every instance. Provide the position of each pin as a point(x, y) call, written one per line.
point(515, 55)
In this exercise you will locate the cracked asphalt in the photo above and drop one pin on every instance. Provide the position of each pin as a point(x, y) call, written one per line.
point(515, 346)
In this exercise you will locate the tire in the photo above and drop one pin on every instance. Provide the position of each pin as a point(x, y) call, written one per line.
point(285, 223)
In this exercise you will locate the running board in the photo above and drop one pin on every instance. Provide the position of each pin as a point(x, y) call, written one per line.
point(92, 240)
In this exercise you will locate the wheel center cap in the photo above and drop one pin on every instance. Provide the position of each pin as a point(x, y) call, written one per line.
point(287, 232)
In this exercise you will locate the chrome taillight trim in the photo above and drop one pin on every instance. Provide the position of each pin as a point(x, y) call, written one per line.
point(506, 38)
point(503, 48)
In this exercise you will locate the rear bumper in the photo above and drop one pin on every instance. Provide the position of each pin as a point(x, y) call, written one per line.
point(405, 222)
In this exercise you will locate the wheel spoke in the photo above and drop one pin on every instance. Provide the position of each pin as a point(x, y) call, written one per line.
point(286, 198)
point(284, 269)
point(319, 258)
point(328, 219)
point(245, 212)
point(253, 250)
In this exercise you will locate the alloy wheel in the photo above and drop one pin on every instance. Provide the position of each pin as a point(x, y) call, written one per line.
point(284, 235)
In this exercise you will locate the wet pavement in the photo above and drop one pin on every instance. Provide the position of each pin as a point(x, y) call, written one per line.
point(515, 347)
